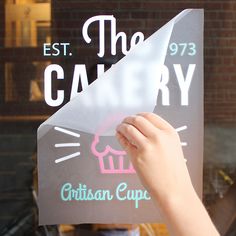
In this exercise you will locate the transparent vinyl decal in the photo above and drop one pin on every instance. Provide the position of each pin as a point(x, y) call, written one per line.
point(84, 175)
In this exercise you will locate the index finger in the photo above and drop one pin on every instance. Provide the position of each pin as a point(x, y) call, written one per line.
point(143, 125)
point(156, 120)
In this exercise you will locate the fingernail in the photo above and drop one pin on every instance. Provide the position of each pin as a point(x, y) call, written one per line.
point(117, 128)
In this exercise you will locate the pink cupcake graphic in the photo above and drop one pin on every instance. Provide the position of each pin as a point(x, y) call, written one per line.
point(111, 160)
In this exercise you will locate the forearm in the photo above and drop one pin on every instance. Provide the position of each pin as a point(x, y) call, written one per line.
point(147, 139)
point(187, 216)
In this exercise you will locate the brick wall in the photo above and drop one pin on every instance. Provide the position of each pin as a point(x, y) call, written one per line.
point(146, 16)
point(68, 17)
point(17, 143)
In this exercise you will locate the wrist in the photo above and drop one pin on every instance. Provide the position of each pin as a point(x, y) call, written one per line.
point(185, 214)
point(173, 201)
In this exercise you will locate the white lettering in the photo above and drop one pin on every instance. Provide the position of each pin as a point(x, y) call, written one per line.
point(100, 70)
point(48, 85)
point(135, 39)
point(163, 79)
point(130, 89)
point(184, 83)
point(80, 75)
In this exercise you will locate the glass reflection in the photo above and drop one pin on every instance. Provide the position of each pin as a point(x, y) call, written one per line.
point(28, 22)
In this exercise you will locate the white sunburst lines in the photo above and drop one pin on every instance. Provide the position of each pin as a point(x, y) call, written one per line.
point(77, 144)
point(58, 145)
point(184, 127)
point(62, 145)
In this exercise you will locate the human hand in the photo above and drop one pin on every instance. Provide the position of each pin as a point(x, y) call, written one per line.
point(155, 151)
point(156, 154)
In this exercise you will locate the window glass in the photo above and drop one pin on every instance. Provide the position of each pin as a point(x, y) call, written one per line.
point(27, 23)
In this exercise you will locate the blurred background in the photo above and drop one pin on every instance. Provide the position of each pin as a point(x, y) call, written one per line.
point(26, 24)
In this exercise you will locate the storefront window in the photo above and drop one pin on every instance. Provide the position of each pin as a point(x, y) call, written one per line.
point(32, 75)
point(27, 27)
point(27, 22)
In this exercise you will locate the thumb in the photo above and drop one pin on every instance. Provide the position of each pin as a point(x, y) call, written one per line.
point(125, 144)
